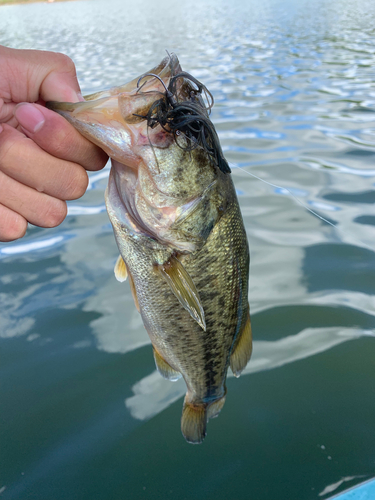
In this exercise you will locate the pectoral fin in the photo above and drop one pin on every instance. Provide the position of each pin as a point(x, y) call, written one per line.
point(121, 273)
point(184, 289)
point(134, 292)
point(242, 349)
point(165, 369)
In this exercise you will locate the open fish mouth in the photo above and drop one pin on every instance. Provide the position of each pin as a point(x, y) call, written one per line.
point(107, 118)
point(165, 97)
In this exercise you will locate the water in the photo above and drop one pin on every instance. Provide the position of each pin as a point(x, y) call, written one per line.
point(83, 414)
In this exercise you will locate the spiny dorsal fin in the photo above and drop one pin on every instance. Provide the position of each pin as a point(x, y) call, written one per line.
point(184, 289)
point(194, 422)
point(121, 273)
point(242, 349)
point(165, 369)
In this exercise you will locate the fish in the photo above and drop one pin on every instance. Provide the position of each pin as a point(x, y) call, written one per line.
point(178, 227)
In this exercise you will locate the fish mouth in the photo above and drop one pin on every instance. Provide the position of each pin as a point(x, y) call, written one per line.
point(152, 110)
point(113, 119)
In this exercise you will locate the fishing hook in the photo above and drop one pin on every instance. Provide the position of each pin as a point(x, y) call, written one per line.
point(168, 93)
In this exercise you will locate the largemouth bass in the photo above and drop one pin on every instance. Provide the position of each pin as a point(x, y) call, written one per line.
point(178, 227)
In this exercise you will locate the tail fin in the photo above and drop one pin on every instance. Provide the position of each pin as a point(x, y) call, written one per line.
point(194, 422)
point(195, 417)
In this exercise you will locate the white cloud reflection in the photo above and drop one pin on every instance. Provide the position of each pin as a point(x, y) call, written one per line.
point(13, 249)
point(332, 487)
point(153, 394)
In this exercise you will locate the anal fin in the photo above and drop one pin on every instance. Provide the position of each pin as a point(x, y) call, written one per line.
point(165, 369)
point(242, 349)
point(184, 289)
point(215, 408)
point(121, 272)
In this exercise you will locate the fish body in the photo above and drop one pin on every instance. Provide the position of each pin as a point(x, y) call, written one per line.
point(179, 230)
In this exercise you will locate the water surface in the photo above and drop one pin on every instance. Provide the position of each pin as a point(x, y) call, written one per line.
point(84, 415)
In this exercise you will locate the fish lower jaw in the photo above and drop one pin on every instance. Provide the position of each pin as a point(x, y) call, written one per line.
point(131, 208)
point(118, 210)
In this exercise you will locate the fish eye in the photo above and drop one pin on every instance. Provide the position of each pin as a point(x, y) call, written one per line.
point(178, 132)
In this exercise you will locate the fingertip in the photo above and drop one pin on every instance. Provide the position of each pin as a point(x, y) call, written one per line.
point(12, 225)
point(99, 160)
point(62, 83)
point(77, 185)
point(55, 213)
point(30, 117)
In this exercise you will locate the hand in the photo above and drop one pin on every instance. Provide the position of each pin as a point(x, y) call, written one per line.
point(43, 159)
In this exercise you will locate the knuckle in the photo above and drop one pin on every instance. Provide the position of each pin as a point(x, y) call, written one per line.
point(57, 144)
point(8, 145)
point(64, 62)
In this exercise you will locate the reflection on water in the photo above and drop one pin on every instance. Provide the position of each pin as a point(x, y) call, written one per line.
point(153, 394)
point(295, 99)
point(332, 487)
point(23, 248)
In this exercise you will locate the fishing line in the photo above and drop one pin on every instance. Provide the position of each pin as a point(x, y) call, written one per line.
point(291, 194)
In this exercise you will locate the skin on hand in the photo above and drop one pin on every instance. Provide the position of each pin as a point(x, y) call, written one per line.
point(43, 159)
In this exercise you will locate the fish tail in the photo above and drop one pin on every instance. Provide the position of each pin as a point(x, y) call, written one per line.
point(194, 422)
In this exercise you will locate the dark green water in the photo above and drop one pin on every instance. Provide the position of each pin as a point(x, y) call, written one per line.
point(84, 415)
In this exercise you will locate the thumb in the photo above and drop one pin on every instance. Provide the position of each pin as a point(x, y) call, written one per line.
point(34, 75)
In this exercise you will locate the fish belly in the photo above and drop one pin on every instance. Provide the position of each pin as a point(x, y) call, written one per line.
point(220, 273)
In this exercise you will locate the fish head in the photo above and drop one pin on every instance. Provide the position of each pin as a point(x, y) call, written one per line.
point(168, 169)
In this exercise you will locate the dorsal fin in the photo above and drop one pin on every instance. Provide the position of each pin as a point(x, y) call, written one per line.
point(242, 349)
point(184, 289)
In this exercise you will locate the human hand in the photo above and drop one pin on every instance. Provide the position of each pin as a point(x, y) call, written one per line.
point(43, 159)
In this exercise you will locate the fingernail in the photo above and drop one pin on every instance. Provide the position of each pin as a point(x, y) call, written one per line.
point(29, 117)
point(1, 128)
